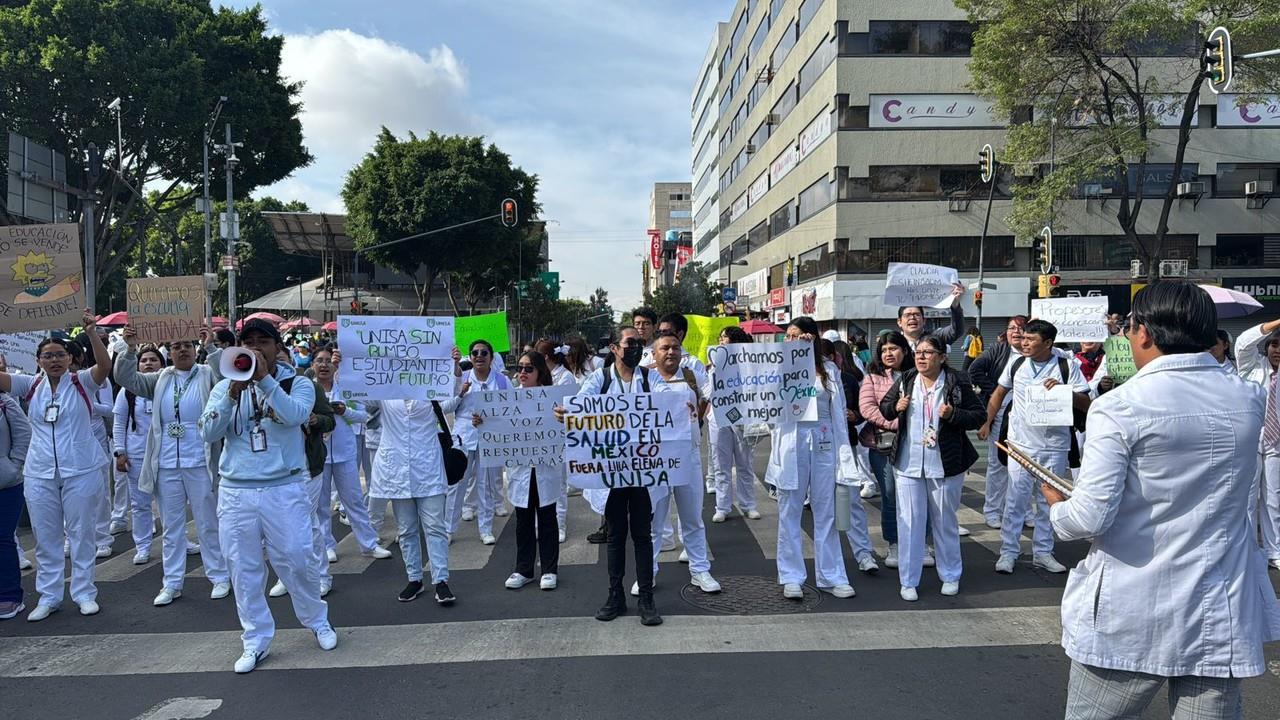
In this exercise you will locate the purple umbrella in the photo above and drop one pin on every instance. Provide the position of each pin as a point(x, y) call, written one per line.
point(1231, 303)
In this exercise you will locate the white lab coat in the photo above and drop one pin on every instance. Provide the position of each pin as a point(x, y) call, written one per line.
point(1173, 583)
point(409, 463)
point(786, 464)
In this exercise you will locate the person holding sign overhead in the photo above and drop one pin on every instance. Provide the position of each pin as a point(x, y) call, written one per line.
point(912, 323)
point(129, 440)
point(482, 486)
point(1039, 369)
point(63, 474)
point(1258, 354)
point(735, 476)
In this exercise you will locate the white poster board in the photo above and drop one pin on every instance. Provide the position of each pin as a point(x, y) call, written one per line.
point(1046, 408)
point(1082, 319)
point(768, 383)
point(388, 357)
point(639, 440)
point(518, 427)
point(919, 285)
point(19, 350)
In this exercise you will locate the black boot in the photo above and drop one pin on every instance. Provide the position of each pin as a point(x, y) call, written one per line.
point(616, 605)
point(648, 611)
point(601, 536)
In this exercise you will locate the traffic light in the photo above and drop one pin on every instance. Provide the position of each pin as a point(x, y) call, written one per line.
point(510, 215)
point(987, 162)
point(358, 307)
point(977, 298)
point(1043, 245)
point(1217, 61)
point(1049, 285)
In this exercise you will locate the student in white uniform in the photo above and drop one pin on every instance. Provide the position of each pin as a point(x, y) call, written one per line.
point(63, 475)
point(178, 466)
point(341, 472)
point(100, 401)
point(263, 500)
point(1174, 590)
point(804, 462)
point(1258, 354)
point(935, 407)
point(985, 372)
point(129, 438)
point(1049, 446)
point(735, 475)
point(408, 470)
point(557, 361)
point(533, 491)
point(479, 484)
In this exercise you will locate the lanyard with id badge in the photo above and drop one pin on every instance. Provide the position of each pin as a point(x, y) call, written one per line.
point(258, 434)
point(176, 429)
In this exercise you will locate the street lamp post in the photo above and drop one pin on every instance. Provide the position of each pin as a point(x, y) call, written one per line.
point(207, 202)
point(302, 311)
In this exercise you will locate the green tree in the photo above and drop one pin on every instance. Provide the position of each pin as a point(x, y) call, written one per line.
point(489, 271)
point(694, 293)
point(1100, 75)
point(599, 320)
point(64, 61)
point(407, 187)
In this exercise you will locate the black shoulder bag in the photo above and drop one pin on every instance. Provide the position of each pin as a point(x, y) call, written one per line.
point(455, 461)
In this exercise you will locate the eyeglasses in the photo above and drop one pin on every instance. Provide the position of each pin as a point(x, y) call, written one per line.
point(54, 356)
point(927, 353)
point(912, 315)
point(325, 361)
point(522, 369)
point(181, 345)
point(481, 353)
point(632, 343)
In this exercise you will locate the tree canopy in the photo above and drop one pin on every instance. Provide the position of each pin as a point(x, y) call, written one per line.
point(694, 293)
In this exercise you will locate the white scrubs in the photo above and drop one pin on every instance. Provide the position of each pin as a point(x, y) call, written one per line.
point(688, 496)
point(482, 486)
point(342, 474)
point(130, 438)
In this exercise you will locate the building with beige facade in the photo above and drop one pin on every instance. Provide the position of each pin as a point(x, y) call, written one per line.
point(670, 233)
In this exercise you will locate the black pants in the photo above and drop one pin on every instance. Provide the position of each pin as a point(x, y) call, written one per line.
point(630, 509)
point(537, 530)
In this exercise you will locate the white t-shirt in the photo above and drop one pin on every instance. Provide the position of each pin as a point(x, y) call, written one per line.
point(1030, 372)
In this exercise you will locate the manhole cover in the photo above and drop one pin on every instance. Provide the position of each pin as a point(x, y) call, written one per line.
point(750, 595)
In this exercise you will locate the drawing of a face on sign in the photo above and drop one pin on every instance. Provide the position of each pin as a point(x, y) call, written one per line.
point(34, 272)
point(809, 301)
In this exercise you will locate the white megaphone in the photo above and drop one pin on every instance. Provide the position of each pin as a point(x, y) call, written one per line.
point(237, 363)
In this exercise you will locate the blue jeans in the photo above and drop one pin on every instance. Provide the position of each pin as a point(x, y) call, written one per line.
point(883, 470)
point(10, 576)
point(417, 517)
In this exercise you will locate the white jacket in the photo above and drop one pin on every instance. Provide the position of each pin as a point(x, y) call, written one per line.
point(409, 463)
point(790, 455)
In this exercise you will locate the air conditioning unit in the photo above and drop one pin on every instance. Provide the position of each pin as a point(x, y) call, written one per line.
point(750, 149)
point(1173, 268)
point(1259, 187)
point(772, 119)
point(1191, 189)
point(1135, 269)
point(1095, 190)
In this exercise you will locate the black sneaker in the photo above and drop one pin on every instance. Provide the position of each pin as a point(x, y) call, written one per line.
point(601, 536)
point(444, 595)
point(410, 591)
point(649, 612)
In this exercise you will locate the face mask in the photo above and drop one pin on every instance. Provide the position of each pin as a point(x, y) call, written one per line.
point(631, 356)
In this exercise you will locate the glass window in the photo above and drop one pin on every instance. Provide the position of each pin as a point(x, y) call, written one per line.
point(785, 104)
point(782, 219)
point(680, 213)
point(808, 8)
point(910, 37)
point(758, 236)
point(1232, 177)
point(760, 135)
point(757, 40)
point(738, 31)
point(783, 48)
point(816, 197)
point(777, 275)
point(893, 37)
point(775, 7)
point(855, 117)
point(1114, 252)
point(740, 249)
point(816, 64)
point(812, 264)
point(1239, 250)
point(945, 38)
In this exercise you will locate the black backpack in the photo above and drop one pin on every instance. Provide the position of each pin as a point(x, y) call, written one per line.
point(1078, 417)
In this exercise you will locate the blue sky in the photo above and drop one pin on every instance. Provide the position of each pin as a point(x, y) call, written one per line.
point(591, 95)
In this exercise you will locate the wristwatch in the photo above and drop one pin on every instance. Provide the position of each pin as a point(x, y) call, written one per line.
point(118, 453)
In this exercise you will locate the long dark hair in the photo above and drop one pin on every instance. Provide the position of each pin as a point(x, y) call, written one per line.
point(894, 338)
point(736, 334)
point(616, 338)
point(846, 355)
point(808, 326)
point(938, 345)
point(539, 363)
point(578, 357)
point(128, 394)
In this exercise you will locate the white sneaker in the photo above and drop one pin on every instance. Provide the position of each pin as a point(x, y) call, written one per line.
point(517, 581)
point(964, 531)
point(1048, 562)
point(928, 557)
point(342, 518)
point(867, 564)
point(1274, 563)
point(166, 596)
point(994, 524)
point(563, 536)
point(844, 590)
point(193, 548)
point(117, 527)
point(332, 555)
point(41, 612)
point(891, 557)
point(24, 563)
point(220, 590)
point(1030, 521)
point(488, 539)
point(278, 590)
point(326, 586)
point(249, 660)
point(869, 491)
point(89, 607)
point(705, 582)
point(66, 548)
point(908, 594)
point(1004, 565)
point(718, 517)
point(792, 591)
point(326, 638)
point(103, 552)
point(668, 545)
point(753, 514)
point(684, 556)
point(548, 582)
point(501, 511)
point(951, 588)
point(468, 514)
point(142, 557)
point(377, 553)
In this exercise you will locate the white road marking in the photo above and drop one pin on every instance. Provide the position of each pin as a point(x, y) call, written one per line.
point(765, 530)
point(181, 708)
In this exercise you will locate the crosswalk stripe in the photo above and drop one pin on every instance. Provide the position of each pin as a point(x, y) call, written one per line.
point(467, 552)
point(765, 530)
point(533, 638)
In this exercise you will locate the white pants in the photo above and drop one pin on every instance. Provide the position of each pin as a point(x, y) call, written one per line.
point(819, 485)
point(144, 522)
point(997, 476)
point(71, 503)
point(919, 499)
point(1024, 490)
point(731, 451)
point(693, 533)
point(377, 506)
point(1267, 512)
point(562, 502)
point(318, 494)
point(102, 525)
point(859, 534)
point(121, 495)
point(279, 517)
point(344, 477)
point(176, 487)
point(482, 488)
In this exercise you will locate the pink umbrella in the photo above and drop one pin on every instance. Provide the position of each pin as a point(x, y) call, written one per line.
point(219, 321)
point(304, 323)
point(114, 319)
point(760, 327)
point(269, 317)
point(1231, 303)
point(331, 326)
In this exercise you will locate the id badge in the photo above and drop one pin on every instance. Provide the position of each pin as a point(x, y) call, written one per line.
point(823, 441)
point(258, 439)
point(930, 437)
point(51, 413)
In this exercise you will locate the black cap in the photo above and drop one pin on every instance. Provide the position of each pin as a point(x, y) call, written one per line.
point(265, 327)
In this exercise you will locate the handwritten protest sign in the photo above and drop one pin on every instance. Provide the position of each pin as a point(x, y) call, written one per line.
point(166, 309)
point(519, 426)
point(19, 350)
point(1082, 319)
point(395, 357)
point(491, 327)
point(1119, 355)
point(769, 383)
point(704, 331)
point(919, 285)
point(41, 279)
point(1046, 408)
point(620, 441)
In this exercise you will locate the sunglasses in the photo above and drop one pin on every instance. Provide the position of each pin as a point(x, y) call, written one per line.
point(522, 369)
point(479, 353)
point(54, 356)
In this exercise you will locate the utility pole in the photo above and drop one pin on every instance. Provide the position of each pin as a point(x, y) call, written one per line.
point(233, 229)
point(208, 206)
point(88, 208)
point(987, 167)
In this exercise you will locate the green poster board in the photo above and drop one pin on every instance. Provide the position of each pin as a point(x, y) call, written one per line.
point(1119, 354)
point(491, 327)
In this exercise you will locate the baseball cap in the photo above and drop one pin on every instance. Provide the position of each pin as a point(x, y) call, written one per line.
point(261, 326)
point(831, 335)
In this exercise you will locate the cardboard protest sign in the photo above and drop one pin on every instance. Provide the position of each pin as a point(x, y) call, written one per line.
point(1119, 356)
point(519, 426)
point(1039, 407)
point(637, 440)
point(1078, 319)
point(165, 309)
point(395, 357)
point(41, 278)
point(19, 350)
point(704, 331)
point(769, 383)
point(919, 285)
point(491, 327)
